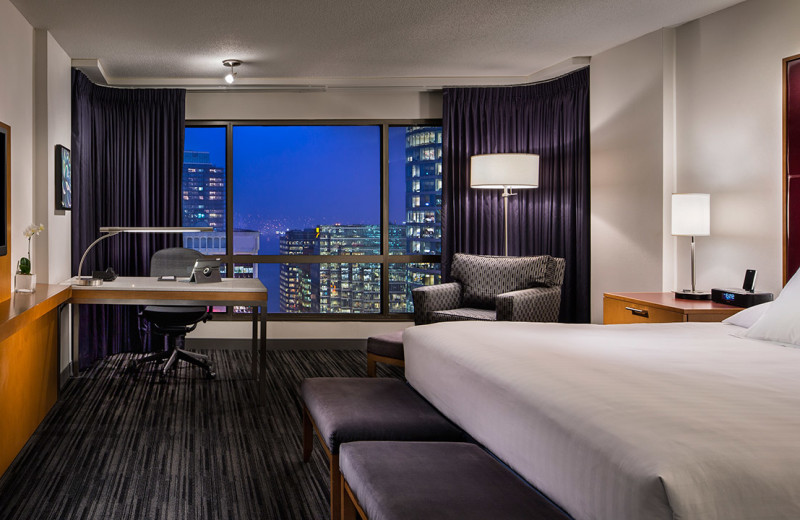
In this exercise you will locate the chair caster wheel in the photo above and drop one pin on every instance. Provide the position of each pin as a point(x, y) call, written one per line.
point(211, 374)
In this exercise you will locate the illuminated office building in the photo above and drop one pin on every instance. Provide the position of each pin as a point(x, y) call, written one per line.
point(299, 283)
point(423, 206)
point(203, 191)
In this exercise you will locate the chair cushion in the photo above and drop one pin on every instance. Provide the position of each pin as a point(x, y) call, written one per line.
point(484, 277)
point(465, 314)
point(347, 409)
point(386, 345)
point(444, 480)
point(172, 316)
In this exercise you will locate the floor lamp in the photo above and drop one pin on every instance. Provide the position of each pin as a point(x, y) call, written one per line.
point(691, 216)
point(504, 171)
point(113, 231)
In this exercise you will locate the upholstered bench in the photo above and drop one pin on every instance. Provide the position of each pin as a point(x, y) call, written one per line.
point(386, 348)
point(358, 409)
point(433, 480)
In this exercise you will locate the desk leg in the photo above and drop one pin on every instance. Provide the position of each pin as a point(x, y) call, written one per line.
point(76, 334)
point(254, 345)
point(263, 367)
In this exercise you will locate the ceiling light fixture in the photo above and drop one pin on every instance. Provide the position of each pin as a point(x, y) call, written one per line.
point(231, 76)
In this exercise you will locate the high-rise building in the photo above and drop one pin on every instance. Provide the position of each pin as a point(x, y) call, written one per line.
point(299, 283)
point(423, 205)
point(203, 187)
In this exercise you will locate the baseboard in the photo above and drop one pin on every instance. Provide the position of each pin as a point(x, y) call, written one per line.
point(63, 377)
point(277, 344)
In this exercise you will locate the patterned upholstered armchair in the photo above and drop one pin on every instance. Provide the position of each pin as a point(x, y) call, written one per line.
point(494, 288)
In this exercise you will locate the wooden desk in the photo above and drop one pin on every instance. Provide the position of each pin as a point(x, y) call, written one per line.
point(130, 290)
point(29, 365)
point(661, 307)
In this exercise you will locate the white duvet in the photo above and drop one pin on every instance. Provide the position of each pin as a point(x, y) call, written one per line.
point(618, 422)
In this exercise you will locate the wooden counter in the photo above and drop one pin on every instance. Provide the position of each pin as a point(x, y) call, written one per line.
point(28, 364)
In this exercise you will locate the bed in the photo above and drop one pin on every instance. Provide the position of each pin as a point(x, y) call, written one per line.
point(618, 422)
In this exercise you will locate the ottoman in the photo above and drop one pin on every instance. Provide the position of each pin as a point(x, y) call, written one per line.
point(386, 348)
point(441, 481)
point(342, 409)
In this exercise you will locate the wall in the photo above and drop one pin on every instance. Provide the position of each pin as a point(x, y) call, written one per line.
point(631, 156)
point(730, 137)
point(330, 105)
point(16, 110)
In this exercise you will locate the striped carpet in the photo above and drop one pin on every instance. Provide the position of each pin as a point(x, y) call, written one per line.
point(134, 447)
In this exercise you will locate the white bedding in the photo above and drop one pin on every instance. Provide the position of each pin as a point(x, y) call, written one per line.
point(618, 422)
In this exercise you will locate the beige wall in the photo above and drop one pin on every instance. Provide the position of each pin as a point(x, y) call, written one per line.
point(631, 153)
point(16, 110)
point(730, 137)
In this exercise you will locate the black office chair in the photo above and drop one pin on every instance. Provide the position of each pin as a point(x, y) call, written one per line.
point(174, 322)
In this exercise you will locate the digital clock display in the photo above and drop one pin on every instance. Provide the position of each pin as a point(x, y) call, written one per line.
point(728, 296)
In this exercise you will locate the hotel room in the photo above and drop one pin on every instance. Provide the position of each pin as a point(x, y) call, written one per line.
point(683, 97)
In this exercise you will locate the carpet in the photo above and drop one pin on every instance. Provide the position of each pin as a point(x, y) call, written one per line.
point(117, 446)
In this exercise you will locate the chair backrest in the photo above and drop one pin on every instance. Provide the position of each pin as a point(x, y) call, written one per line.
point(173, 261)
point(484, 277)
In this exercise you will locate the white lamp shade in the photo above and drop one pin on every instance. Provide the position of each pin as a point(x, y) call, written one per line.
point(691, 214)
point(504, 170)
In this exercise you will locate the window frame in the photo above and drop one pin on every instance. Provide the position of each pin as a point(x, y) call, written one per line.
point(383, 259)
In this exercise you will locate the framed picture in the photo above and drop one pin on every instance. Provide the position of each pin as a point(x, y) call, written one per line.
point(5, 178)
point(63, 178)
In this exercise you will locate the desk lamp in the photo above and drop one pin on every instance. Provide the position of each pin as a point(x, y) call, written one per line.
point(504, 171)
point(113, 231)
point(691, 216)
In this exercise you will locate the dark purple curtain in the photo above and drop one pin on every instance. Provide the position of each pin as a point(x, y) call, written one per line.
point(550, 119)
point(127, 156)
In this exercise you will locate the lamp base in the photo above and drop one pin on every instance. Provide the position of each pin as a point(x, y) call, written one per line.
point(86, 281)
point(688, 294)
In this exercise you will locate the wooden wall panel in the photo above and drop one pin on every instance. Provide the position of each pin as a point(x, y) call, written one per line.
point(28, 382)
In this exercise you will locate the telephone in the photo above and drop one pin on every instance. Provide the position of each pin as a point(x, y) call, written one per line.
point(107, 276)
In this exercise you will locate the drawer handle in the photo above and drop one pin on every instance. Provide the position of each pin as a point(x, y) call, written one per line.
point(638, 312)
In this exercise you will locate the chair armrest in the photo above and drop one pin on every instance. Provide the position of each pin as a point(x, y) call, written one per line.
point(537, 304)
point(432, 298)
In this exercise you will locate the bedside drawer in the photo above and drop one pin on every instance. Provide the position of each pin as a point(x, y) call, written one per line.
point(620, 311)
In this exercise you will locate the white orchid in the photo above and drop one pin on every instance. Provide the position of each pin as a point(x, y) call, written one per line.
point(32, 229)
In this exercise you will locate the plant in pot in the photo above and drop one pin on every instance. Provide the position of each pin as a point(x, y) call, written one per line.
point(24, 280)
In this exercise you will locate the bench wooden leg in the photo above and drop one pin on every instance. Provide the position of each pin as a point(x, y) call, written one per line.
point(336, 488)
point(308, 435)
point(349, 511)
point(370, 365)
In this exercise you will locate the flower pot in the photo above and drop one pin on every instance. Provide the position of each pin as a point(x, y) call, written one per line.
point(24, 283)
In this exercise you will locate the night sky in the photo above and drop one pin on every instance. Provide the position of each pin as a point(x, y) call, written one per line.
point(296, 177)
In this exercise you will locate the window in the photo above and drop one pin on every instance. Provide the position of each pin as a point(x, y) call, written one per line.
point(305, 204)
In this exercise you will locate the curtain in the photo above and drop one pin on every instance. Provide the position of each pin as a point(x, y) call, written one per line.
point(550, 119)
point(127, 153)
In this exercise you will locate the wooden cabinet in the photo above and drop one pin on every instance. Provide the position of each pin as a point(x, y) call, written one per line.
point(660, 308)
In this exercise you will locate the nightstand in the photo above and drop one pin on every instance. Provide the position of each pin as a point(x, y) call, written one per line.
point(660, 307)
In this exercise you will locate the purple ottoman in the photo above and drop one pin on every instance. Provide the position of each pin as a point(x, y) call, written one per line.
point(346, 409)
point(386, 348)
point(434, 480)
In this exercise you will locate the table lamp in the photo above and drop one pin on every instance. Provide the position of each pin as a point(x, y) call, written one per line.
point(691, 216)
point(113, 231)
point(504, 171)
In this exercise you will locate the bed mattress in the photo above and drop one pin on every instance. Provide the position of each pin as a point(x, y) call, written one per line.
point(617, 422)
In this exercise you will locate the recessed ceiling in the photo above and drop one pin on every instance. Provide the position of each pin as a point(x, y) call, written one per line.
point(347, 42)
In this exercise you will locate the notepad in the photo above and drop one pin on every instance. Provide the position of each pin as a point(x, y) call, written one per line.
point(167, 278)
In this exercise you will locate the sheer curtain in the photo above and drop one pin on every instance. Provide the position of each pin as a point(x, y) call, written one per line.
point(127, 153)
point(550, 119)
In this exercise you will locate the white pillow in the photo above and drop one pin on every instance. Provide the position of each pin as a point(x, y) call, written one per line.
point(749, 316)
point(781, 322)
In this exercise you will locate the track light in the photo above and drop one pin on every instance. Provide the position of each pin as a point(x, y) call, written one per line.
point(231, 76)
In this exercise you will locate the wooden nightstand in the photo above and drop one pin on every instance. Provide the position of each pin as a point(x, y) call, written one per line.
point(660, 308)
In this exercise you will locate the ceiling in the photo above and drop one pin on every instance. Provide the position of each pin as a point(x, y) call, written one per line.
point(346, 43)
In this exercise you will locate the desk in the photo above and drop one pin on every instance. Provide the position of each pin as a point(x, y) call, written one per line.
point(130, 290)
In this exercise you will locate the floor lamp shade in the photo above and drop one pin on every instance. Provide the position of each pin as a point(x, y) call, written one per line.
point(504, 171)
point(691, 216)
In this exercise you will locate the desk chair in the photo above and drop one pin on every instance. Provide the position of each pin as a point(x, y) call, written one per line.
point(174, 322)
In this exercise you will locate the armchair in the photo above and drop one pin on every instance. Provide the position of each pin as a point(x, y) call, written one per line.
point(494, 288)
